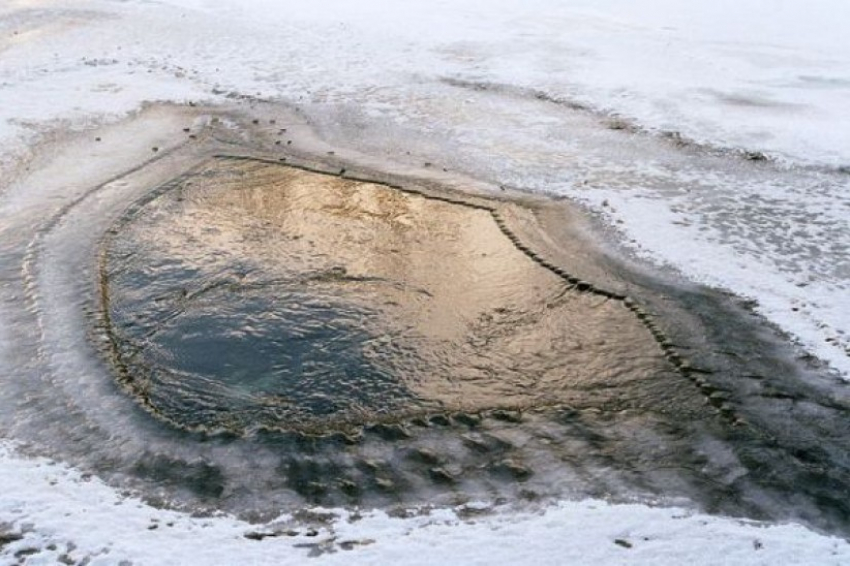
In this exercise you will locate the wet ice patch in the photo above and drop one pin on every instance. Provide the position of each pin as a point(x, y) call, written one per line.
point(252, 295)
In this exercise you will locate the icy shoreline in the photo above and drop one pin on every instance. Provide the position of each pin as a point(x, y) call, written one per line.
point(51, 513)
point(613, 526)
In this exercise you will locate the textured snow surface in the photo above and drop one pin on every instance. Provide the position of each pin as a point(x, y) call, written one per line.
point(731, 73)
point(60, 514)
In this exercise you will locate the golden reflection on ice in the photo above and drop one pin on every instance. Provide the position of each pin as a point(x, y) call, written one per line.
point(429, 296)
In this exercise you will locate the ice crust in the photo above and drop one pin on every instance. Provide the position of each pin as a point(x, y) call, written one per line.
point(61, 514)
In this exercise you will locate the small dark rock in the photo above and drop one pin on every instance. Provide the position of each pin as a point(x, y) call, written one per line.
point(389, 431)
point(424, 455)
point(29, 551)
point(253, 535)
point(348, 487)
point(441, 475)
point(755, 156)
point(8, 538)
point(511, 469)
point(440, 420)
point(507, 416)
point(467, 419)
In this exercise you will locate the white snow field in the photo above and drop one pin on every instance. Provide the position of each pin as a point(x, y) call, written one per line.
point(713, 137)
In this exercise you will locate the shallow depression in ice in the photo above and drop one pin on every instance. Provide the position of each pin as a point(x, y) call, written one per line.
point(248, 295)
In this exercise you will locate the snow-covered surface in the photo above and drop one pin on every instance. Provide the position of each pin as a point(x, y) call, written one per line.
point(60, 513)
point(730, 73)
point(489, 88)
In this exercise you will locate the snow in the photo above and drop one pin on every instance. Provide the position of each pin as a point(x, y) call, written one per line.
point(388, 78)
point(723, 72)
point(61, 513)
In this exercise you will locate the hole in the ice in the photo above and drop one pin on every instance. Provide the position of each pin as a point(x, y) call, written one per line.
point(252, 295)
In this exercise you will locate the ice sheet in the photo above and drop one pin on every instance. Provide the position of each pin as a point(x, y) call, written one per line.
point(515, 92)
point(407, 78)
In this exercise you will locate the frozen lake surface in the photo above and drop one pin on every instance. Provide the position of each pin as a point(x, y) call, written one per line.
point(711, 141)
point(542, 96)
